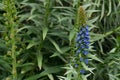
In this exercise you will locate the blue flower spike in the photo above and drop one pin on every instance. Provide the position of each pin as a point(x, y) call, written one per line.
point(82, 46)
point(82, 40)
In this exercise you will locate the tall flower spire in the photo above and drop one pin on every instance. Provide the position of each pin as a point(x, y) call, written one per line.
point(82, 41)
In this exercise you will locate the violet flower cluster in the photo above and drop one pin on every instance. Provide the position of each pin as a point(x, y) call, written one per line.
point(82, 45)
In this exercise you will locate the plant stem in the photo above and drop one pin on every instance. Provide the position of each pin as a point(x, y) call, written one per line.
point(10, 20)
point(14, 71)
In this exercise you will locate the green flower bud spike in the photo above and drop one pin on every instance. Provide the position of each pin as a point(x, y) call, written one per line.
point(10, 15)
point(81, 17)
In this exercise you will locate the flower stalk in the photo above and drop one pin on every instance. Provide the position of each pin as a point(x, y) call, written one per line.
point(81, 43)
point(10, 17)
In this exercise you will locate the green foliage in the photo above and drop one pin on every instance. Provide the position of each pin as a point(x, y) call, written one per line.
point(42, 31)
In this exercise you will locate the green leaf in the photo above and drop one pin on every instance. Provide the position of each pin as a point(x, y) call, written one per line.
point(5, 65)
point(96, 37)
point(33, 16)
point(56, 45)
point(113, 50)
point(50, 76)
point(71, 35)
point(87, 68)
point(48, 70)
point(103, 9)
point(26, 64)
point(85, 76)
point(94, 57)
point(25, 27)
point(45, 30)
point(93, 20)
point(31, 44)
point(26, 67)
point(85, 6)
point(109, 8)
point(39, 59)
point(91, 11)
point(64, 50)
point(23, 17)
point(60, 2)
